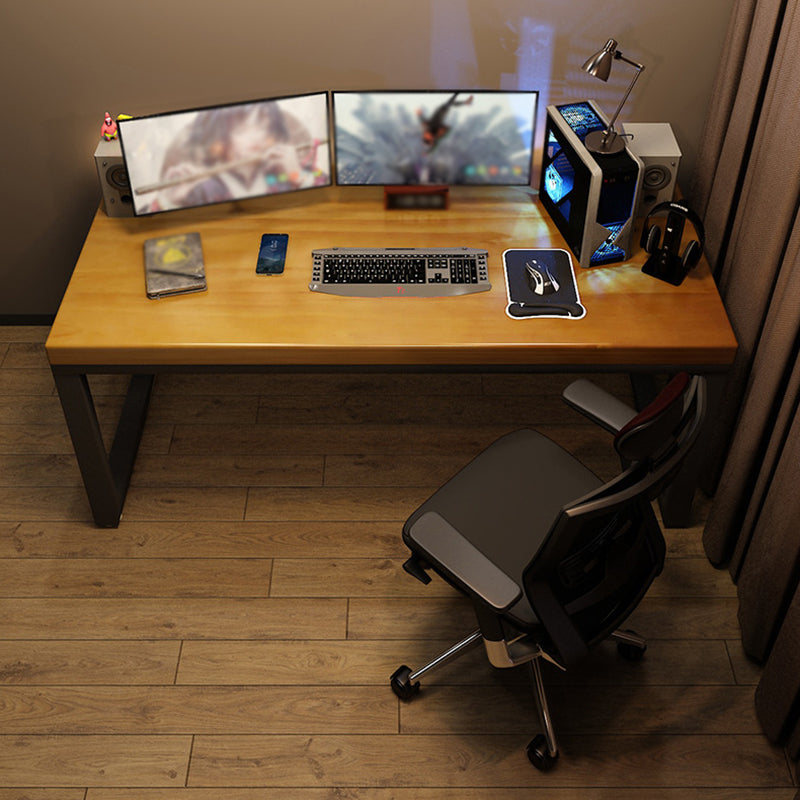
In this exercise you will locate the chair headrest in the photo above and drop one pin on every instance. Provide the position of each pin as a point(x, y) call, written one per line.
point(656, 425)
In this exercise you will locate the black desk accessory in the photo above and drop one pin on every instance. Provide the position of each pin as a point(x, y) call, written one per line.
point(666, 262)
point(541, 283)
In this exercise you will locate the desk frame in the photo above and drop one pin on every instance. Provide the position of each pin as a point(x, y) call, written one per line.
point(107, 473)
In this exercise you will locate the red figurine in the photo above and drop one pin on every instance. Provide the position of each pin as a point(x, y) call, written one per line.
point(109, 129)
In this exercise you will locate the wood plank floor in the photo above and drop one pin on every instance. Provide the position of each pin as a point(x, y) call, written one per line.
point(234, 636)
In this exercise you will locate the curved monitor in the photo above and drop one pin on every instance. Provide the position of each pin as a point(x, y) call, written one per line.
point(446, 138)
point(192, 158)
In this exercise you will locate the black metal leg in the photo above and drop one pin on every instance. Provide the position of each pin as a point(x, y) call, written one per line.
point(675, 502)
point(105, 476)
point(644, 388)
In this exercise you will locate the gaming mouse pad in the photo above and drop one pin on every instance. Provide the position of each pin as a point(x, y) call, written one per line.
point(541, 283)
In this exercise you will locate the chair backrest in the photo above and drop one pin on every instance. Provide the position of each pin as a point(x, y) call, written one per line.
point(605, 549)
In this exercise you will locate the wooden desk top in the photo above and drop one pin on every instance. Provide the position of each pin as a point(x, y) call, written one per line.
point(244, 319)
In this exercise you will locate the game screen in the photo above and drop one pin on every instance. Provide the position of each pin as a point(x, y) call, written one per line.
point(233, 152)
point(559, 175)
point(445, 138)
point(558, 171)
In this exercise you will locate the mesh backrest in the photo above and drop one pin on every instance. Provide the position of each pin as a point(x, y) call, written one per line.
point(656, 425)
point(604, 550)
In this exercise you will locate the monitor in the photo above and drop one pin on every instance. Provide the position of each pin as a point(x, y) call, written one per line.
point(393, 138)
point(237, 151)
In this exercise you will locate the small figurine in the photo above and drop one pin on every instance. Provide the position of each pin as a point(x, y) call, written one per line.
point(109, 129)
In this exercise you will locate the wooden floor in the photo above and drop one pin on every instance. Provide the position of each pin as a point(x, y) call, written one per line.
point(233, 638)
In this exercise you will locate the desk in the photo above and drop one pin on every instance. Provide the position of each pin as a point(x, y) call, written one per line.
point(106, 324)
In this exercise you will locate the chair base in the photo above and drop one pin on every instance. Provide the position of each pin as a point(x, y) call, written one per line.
point(542, 750)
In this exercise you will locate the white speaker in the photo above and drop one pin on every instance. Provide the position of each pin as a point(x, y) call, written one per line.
point(113, 177)
point(655, 144)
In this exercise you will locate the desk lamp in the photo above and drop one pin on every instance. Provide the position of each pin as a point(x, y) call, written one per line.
point(599, 65)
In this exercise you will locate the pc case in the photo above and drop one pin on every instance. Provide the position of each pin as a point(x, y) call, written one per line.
point(590, 197)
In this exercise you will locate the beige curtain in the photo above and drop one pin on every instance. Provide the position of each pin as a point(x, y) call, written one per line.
point(747, 190)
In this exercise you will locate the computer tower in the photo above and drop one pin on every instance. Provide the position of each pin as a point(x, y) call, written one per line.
point(590, 197)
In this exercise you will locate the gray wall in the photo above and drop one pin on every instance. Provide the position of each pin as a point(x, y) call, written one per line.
point(65, 63)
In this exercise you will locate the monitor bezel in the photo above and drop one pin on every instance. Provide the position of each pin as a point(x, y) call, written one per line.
point(125, 122)
point(527, 181)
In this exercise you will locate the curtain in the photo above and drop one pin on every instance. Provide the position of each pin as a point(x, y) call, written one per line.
point(746, 187)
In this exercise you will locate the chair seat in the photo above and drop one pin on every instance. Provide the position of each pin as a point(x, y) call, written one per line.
point(505, 501)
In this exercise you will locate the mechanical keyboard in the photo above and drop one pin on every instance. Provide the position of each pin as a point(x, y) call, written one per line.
point(404, 271)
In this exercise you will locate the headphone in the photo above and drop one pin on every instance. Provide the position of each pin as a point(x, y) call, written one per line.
point(665, 263)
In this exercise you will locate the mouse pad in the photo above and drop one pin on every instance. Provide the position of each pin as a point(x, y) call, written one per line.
point(541, 283)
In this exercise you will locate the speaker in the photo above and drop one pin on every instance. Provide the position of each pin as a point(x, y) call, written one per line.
point(655, 144)
point(114, 184)
point(666, 262)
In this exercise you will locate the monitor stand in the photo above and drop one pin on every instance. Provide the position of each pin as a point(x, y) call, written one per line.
point(416, 197)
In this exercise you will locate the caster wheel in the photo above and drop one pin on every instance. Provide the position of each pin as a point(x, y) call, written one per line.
point(401, 685)
point(538, 754)
point(631, 652)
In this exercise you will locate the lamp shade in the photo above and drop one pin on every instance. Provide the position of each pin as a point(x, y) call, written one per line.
point(599, 65)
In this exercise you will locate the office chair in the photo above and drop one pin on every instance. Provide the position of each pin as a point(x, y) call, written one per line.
point(553, 559)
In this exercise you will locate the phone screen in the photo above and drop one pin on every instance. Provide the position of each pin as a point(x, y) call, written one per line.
point(272, 254)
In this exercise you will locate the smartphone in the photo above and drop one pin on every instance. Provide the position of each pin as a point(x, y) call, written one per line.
point(272, 254)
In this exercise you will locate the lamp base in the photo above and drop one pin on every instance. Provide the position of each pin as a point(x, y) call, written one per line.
point(604, 142)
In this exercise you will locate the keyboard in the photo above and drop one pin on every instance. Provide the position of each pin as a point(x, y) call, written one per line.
point(403, 271)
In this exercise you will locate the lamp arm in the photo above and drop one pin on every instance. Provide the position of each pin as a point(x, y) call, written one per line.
point(639, 71)
point(618, 56)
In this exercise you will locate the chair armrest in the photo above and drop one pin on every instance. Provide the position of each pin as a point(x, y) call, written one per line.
point(598, 405)
point(451, 553)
